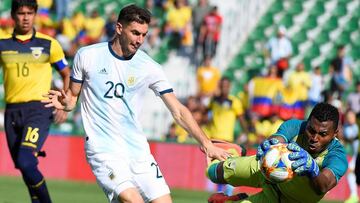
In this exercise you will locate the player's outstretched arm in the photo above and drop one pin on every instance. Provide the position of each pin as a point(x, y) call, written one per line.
point(63, 100)
point(184, 118)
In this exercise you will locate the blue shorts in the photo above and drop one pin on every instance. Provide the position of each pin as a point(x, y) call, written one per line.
point(27, 126)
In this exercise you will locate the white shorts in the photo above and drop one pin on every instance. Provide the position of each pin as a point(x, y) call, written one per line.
point(117, 175)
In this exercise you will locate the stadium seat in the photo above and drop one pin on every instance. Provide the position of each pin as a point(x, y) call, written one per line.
point(237, 62)
point(330, 24)
point(343, 39)
point(312, 52)
point(321, 38)
point(354, 53)
point(299, 37)
point(352, 25)
point(310, 22)
point(276, 7)
point(286, 20)
point(317, 9)
point(340, 10)
point(295, 8)
point(247, 48)
point(266, 20)
point(258, 34)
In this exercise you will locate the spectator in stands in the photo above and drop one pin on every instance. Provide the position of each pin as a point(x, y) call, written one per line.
point(78, 21)
point(265, 93)
point(153, 37)
point(210, 32)
point(342, 71)
point(26, 57)
point(244, 97)
point(198, 14)
point(6, 26)
point(266, 127)
point(66, 35)
point(197, 110)
point(279, 50)
point(299, 81)
point(224, 110)
point(178, 25)
point(171, 136)
point(62, 9)
point(110, 26)
point(353, 102)
point(44, 7)
point(93, 29)
point(350, 135)
point(317, 87)
point(207, 77)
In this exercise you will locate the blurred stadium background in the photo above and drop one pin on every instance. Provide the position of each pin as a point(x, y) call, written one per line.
point(315, 28)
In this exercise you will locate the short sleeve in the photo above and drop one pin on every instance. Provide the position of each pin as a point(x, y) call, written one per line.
point(77, 69)
point(57, 56)
point(158, 82)
point(237, 107)
point(336, 162)
point(289, 129)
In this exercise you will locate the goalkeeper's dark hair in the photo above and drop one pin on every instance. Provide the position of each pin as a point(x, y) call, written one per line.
point(16, 4)
point(133, 13)
point(325, 112)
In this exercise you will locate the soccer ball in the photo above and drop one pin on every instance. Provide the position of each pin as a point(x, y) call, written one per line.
point(275, 164)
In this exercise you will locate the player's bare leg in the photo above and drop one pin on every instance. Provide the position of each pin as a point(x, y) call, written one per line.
point(130, 195)
point(163, 199)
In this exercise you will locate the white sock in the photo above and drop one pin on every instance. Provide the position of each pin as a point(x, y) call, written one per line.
point(352, 183)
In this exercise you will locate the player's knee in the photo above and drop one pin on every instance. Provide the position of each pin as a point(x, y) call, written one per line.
point(26, 161)
point(130, 196)
point(215, 173)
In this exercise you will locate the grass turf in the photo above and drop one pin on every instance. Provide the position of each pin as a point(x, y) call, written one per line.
point(12, 190)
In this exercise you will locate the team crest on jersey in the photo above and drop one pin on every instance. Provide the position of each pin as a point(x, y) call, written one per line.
point(36, 51)
point(131, 81)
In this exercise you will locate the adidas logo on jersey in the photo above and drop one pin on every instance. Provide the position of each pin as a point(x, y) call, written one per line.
point(103, 71)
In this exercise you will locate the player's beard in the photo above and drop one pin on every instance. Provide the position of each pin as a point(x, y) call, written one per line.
point(126, 46)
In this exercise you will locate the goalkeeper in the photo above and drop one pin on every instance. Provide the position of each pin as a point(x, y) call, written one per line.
point(319, 162)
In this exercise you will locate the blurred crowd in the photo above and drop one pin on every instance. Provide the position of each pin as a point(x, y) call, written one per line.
point(192, 29)
point(277, 93)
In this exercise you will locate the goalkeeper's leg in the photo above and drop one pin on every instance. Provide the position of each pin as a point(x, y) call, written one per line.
point(236, 171)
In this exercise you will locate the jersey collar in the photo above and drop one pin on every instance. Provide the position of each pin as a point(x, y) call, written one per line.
point(24, 41)
point(117, 56)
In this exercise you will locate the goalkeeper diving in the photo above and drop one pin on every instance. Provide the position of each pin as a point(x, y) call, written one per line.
point(319, 161)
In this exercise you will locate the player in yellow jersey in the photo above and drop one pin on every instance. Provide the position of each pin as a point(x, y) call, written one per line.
point(26, 57)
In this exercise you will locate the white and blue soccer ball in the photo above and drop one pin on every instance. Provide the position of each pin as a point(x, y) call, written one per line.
point(275, 164)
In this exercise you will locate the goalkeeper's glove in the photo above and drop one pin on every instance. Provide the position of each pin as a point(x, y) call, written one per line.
point(264, 146)
point(303, 163)
point(222, 198)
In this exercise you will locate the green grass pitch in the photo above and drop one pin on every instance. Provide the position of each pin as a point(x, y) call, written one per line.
point(12, 190)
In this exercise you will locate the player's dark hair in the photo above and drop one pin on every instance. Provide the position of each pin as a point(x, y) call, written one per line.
point(225, 78)
point(133, 13)
point(16, 4)
point(325, 112)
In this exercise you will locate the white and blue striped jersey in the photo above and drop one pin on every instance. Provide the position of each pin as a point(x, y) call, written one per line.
point(111, 98)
